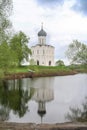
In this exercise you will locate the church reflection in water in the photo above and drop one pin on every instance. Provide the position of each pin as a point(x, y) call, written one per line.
point(43, 93)
point(15, 96)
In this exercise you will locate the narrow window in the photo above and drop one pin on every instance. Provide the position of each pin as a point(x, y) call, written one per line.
point(42, 41)
point(37, 51)
point(33, 52)
point(43, 52)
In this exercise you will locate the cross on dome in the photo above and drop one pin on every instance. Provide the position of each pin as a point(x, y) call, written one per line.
point(42, 25)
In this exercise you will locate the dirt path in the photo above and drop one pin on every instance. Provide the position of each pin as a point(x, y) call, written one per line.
point(32, 126)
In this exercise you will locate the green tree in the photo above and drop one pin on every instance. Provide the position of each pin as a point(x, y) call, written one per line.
point(77, 52)
point(19, 44)
point(59, 63)
point(5, 24)
point(7, 57)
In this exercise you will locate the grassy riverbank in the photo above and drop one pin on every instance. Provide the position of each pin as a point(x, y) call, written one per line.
point(44, 71)
point(49, 69)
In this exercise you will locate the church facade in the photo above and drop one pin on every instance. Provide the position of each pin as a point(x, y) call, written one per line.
point(42, 53)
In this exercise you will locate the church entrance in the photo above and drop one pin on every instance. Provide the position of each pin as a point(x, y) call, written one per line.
point(37, 62)
point(49, 63)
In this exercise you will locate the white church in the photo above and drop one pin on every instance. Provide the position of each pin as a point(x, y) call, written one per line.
point(42, 53)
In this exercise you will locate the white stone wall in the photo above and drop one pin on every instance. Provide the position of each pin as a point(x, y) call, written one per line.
point(44, 54)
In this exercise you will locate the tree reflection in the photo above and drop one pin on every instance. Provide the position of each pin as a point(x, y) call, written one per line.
point(4, 113)
point(77, 114)
point(4, 104)
point(14, 97)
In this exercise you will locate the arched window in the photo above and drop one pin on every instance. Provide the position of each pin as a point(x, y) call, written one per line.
point(37, 62)
point(49, 63)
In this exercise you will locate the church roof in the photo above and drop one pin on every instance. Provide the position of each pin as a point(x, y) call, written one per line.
point(46, 45)
point(42, 32)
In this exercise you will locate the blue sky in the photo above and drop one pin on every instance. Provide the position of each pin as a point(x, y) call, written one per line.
point(63, 20)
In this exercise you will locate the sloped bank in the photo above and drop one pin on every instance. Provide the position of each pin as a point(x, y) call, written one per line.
point(42, 74)
point(32, 126)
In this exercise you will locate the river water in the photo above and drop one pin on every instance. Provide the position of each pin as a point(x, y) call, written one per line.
point(42, 100)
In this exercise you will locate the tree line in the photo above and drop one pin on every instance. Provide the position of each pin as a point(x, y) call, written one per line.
point(13, 46)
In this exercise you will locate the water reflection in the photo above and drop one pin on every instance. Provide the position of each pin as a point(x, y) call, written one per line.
point(47, 99)
point(13, 96)
point(78, 114)
point(43, 93)
point(16, 94)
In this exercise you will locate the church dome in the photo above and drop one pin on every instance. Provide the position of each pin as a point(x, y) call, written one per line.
point(42, 33)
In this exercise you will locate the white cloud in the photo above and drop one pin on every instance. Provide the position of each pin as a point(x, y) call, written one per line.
point(61, 24)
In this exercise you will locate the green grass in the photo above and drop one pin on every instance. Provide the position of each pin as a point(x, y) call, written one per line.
point(78, 68)
point(48, 69)
point(38, 69)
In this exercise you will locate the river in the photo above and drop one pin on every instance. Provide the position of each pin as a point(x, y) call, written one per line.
point(42, 100)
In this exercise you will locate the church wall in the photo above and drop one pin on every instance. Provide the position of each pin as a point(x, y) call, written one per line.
point(44, 54)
